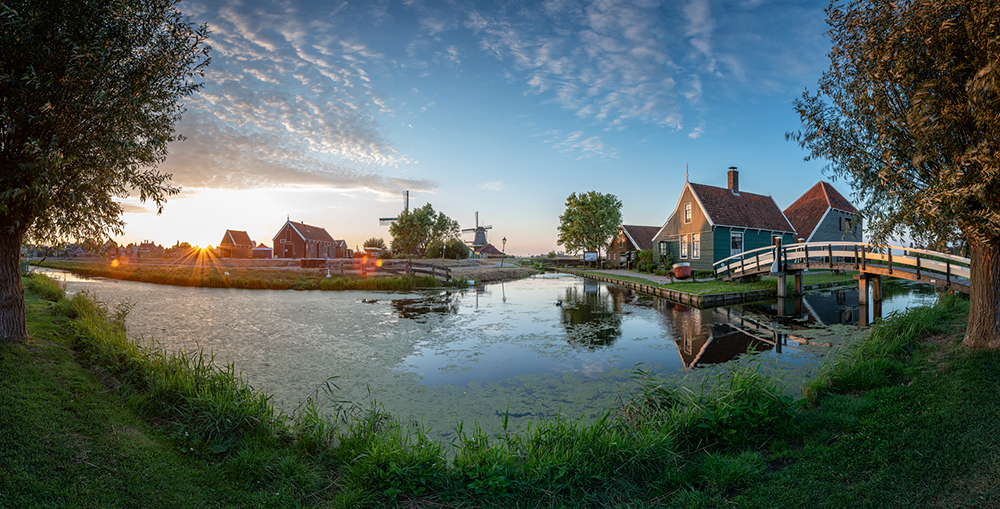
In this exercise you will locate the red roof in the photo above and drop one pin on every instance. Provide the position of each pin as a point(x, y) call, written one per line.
point(236, 238)
point(488, 249)
point(806, 213)
point(308, 232)
point(743, 209)
point(261, 246)
point(641, 236)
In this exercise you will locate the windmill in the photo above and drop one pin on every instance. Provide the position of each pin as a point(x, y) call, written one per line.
point(386, 221)
point(480, 239)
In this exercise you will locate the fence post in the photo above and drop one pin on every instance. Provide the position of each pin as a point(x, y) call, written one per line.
point(856, 262)
point(806, 247)
point(947, 270)
point(918, 266)
point(829, 248)
point(889, 250)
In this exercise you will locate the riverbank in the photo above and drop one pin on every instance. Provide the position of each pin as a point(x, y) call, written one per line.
point(903, 419)
point(280, 274)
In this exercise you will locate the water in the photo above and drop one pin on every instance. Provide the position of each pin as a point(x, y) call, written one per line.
point(536, 348)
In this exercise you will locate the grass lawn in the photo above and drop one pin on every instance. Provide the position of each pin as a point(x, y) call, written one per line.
point(713, 286)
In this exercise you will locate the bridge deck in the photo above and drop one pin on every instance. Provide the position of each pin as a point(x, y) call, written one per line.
point(930, 267)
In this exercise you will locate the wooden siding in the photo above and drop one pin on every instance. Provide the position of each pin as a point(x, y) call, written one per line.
point(828, 230)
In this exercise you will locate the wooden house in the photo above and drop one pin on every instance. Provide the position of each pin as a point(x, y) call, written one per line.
point(262, 251)
point(235, 244)
point(824, 215)
point(712, 223)
point(629, 239)
point(300, 240)
point(340, 249)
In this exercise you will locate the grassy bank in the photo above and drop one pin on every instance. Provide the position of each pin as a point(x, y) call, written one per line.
point(91, 418)
point(252, 278)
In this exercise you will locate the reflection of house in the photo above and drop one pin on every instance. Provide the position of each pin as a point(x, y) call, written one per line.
point(701, 345)
point(235, 244)
point(711, 223)
point(300, 240)
point(823, 214)
point(629, 239)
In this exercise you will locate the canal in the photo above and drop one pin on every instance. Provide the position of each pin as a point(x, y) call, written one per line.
point(536, 348)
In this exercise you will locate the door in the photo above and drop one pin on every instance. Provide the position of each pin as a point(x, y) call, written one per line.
point(289, 251)
point(736, 239)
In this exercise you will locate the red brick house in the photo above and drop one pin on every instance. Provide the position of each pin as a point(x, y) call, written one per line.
point(300, 240)
point(235, 244)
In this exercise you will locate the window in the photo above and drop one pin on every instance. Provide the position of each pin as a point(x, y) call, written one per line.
point(736, 243)
point(663, 248)
point(687, 213)
point(695, 246)
point(684, 246)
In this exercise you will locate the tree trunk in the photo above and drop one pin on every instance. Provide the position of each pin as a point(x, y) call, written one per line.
point(12, 325)
point(984, 306)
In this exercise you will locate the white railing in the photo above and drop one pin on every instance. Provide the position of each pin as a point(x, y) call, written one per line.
point(913, 263)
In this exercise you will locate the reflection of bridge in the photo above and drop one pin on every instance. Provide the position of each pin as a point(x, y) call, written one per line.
point(872, 261)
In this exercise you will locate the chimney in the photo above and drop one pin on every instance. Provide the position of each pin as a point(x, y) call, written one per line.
point(734, 180)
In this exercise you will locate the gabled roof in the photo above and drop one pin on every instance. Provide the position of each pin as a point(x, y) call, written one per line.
point(307, 232)
point(489, 249)
point(742, 210)
point(807, 212)
point(262, 246)
point(236, 238)
point(340, 243)
point(640, 236)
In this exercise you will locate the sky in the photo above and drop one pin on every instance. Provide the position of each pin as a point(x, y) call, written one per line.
point(325, 112)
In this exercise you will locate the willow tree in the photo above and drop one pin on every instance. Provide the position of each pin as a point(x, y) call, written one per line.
point(590, 221)
point(907, 113)
point(89, 95)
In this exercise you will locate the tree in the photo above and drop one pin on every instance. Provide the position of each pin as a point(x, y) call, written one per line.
point(452, 249)
point(377, 243)
point(89, 97)
point(907, 113)
point(590, 221)
point(414, 231)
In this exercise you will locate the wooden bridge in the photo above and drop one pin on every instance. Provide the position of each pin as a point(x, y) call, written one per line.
point(870, 260)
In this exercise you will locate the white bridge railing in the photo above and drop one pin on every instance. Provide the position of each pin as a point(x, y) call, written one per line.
point(909, 262)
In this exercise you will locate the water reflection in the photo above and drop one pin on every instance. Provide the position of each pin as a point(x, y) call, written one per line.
point(592, 318)
point(418, 309)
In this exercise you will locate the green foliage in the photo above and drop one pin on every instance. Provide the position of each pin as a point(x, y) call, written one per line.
point(416, 230)
point(589, 222)
point(907, 114)
point(68, 67)
point(45, 287)
point(453, 249)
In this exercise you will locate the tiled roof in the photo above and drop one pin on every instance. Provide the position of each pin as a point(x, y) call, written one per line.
point(809, 209)
point(489, 249)
point(261, 246)
point(641, 236)
point(236, 238)
point(745, 210)
point(310, 232)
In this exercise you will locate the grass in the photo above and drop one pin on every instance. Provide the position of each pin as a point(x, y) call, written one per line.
point(91, 418)
point(257, 278)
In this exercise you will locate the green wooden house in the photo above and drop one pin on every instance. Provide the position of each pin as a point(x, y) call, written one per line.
point(713, 223)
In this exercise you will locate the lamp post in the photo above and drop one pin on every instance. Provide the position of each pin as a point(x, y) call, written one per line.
point(503, 251)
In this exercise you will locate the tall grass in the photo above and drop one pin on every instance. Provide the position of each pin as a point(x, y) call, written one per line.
point(882, 358)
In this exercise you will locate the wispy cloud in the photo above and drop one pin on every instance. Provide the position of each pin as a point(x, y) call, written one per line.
point(493, 185)
point(577, 143)
point(286, 101)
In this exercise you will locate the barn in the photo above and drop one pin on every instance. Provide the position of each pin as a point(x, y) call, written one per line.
point(300, 240)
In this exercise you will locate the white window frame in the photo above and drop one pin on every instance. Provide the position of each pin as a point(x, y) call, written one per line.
point(684, 247)
point(663, 248)
point(732, 236)
point(687, 212)
point(695, 246)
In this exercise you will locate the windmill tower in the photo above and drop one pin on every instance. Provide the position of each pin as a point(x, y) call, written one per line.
point(386, 221)
point(480, 235)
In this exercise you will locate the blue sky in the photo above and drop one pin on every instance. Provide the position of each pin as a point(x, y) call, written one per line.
point(325, 112)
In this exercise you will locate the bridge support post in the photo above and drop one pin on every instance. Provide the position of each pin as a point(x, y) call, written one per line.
point(798, 283)
point(876, 283)
point(782, 290)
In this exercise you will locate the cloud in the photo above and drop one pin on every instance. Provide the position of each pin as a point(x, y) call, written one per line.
point(579, 144)
point(494, 185)
point(287, 100)
point(132, 208)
